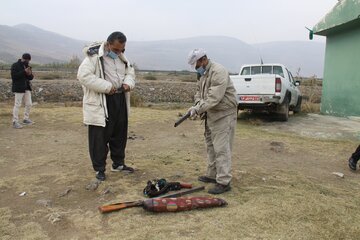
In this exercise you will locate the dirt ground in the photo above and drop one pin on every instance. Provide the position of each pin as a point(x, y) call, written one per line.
point(283, 183)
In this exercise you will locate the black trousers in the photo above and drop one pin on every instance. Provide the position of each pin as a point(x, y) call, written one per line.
point(356, 154)
point(113, 136)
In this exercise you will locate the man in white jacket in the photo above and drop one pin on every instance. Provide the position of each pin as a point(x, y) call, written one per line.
point(107, 79)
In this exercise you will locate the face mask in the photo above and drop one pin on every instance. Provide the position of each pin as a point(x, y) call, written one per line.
point(112, 55)
point(201, 71)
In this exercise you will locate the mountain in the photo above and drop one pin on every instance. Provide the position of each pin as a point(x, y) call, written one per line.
point(44, 46)
point(305, 58)
point(172, 54)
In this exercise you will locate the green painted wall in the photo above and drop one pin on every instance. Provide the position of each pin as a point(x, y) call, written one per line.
point(341, 84)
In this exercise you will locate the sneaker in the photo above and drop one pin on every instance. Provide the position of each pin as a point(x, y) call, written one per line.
point(206, 179)
point(352, 164)
point(122, 168)
point(219, 188)
point(28, 122)
point(17, 125)
point(100, 175)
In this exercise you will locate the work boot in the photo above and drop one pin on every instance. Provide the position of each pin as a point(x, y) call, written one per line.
point(27, 122)
point(100, 175)
point(352, 164)
point(122, 168)
point(206, 179)
point(219, 188)
point(17, 125)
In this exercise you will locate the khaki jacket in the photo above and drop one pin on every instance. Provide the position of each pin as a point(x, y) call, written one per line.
point(215, 94)
point(91, 76)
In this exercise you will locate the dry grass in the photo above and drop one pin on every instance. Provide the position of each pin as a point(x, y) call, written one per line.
point(289, 194)
point(45, 75)
point(310, 107)
point(136, 100)
point(182, 76)
point(311, 91)
point(5, 74)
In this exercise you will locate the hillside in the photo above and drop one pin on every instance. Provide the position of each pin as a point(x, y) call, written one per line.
point(47, 47)
point(44, 46)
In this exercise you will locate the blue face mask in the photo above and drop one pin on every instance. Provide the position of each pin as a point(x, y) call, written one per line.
point(201, 71)
point(112, 55)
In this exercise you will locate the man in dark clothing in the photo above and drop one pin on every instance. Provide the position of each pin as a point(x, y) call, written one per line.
point(107, 78)
point(354, 159)
point(21, 75)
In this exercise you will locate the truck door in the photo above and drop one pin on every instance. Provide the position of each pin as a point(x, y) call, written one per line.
point(294, 92)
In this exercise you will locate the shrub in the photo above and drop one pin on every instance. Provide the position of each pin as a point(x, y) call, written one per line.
point(189, 78)
point(49, 75)
point(149, 77)
point(311, 90)
point(5, 74)
point(309, 107)
point(136, 100)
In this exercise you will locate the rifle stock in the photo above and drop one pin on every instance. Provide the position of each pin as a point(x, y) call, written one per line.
point(123, 205)
point(183, 118)
point(119, 206)
point(186, 185)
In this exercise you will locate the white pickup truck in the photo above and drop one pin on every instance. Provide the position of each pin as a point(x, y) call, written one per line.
point(269, 87)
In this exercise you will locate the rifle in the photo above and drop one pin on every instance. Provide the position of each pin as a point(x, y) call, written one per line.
point(140, 203)
point(183, 118)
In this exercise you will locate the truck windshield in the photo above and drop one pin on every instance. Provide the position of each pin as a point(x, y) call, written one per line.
point(254, 70)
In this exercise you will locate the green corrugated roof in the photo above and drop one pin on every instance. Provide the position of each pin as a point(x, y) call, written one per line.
point(346, 13)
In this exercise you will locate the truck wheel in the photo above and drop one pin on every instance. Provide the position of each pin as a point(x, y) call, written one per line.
point(284, 110)
point(297, 108)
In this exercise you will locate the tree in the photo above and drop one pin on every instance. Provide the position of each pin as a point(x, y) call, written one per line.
point(74, 62)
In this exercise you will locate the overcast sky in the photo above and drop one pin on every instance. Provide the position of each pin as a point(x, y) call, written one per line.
point(252, 21)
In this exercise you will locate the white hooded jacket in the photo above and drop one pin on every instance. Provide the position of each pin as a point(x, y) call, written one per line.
point(91, 76)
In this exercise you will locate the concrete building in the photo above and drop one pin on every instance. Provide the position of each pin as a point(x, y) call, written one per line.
point(341, 83)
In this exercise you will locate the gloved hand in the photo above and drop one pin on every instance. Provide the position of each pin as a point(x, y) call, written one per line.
point(192, 111)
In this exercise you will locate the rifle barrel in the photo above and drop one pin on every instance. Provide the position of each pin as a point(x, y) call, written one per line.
point(183, 118)
point(181, 193)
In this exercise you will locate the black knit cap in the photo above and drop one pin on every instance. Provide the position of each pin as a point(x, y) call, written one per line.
point(26, 56)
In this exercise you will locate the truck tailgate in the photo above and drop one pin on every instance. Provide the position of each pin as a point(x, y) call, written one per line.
point(254, 84)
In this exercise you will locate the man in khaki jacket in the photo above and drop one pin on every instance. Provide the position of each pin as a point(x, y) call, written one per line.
point(215, 100)
point(107, 78)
